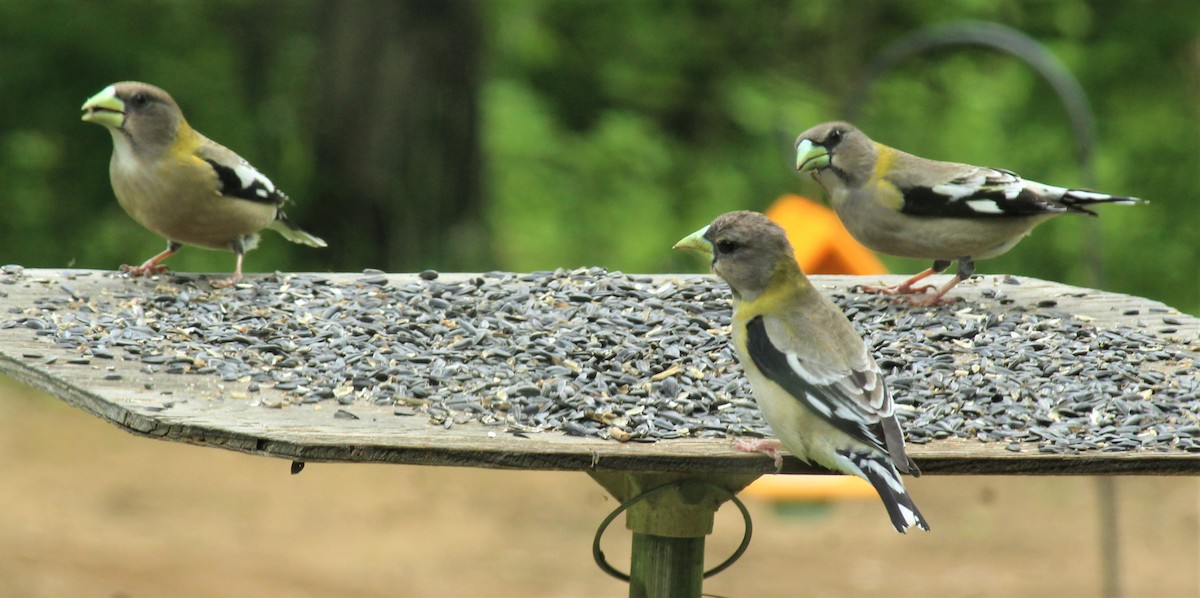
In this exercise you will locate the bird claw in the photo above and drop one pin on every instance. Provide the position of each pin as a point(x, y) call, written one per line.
point(226, 282)
point(143, 270)
point(900, 289)
point(768, 447)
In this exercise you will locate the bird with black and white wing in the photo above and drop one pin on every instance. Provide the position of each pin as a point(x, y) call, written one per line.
point(812, 376)
point(903, 205)
point(182, 185)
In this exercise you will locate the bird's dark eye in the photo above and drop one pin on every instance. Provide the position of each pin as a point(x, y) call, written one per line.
point(139, 99)
point(834, 138)
point(727, 246)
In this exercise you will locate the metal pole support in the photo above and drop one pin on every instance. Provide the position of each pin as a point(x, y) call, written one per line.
point(669, 527)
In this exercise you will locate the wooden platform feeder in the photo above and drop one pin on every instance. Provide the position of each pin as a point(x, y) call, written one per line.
point(668, 530)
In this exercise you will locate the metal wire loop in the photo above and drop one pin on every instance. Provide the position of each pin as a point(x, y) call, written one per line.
point(598, 554)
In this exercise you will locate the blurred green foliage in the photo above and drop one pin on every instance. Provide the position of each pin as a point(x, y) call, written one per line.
point(611, 129)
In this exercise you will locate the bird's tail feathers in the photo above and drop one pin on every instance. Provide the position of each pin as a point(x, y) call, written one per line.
point(1076, 199)
point(879, 471)
point(893, 439)
point(293, 233)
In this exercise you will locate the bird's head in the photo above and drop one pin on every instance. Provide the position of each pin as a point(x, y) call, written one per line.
point(748, 251)
point(838, 148)
point(142, 113)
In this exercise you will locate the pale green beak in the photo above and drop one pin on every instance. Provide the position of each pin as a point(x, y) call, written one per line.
point(695, 242)
point(105, 108)
point(810, 156)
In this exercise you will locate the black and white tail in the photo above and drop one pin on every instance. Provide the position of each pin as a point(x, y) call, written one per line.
point(881, 473)
point(1079, 199)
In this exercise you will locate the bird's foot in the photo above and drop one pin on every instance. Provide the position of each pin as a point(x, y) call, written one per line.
point(227, 282)
point(145, 269)
point(898, 289)
point(237, 271)
point(768, 447)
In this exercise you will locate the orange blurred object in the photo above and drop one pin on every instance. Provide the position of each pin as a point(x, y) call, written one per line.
point(814, 488)
point(822, 244)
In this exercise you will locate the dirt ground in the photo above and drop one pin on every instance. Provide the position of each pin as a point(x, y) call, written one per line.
point(88, 510)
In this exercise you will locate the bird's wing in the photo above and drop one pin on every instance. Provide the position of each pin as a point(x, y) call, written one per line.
point(237, 178)
point(854, 399)
point(976, 192)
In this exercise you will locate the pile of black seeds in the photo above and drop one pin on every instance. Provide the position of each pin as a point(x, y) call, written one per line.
point(595, 353)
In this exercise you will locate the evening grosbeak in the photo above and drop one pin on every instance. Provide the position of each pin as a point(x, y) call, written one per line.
point(902, 205)
point(181, 184)
point(812, 376)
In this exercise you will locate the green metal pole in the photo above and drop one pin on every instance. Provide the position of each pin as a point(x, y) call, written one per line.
point(662, 566)
point(669, 527)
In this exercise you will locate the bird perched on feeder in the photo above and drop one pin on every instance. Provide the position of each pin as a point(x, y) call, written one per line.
point(903, 205)
point(182, 185)
point(812, 376)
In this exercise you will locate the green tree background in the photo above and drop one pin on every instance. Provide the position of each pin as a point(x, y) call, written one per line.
point(607, 130)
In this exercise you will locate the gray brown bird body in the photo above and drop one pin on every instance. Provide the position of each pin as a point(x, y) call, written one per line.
point(180, 184)
point(904, 205)
point(812, 375)
point(185, 206)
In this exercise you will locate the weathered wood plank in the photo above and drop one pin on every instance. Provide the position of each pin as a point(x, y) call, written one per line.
point(199, 410)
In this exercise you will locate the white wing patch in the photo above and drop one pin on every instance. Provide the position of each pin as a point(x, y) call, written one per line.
point(815, 375)
point(982, 180)
point(249, 175)
point(843, 400)
point(985, 206)
point(956, 190)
